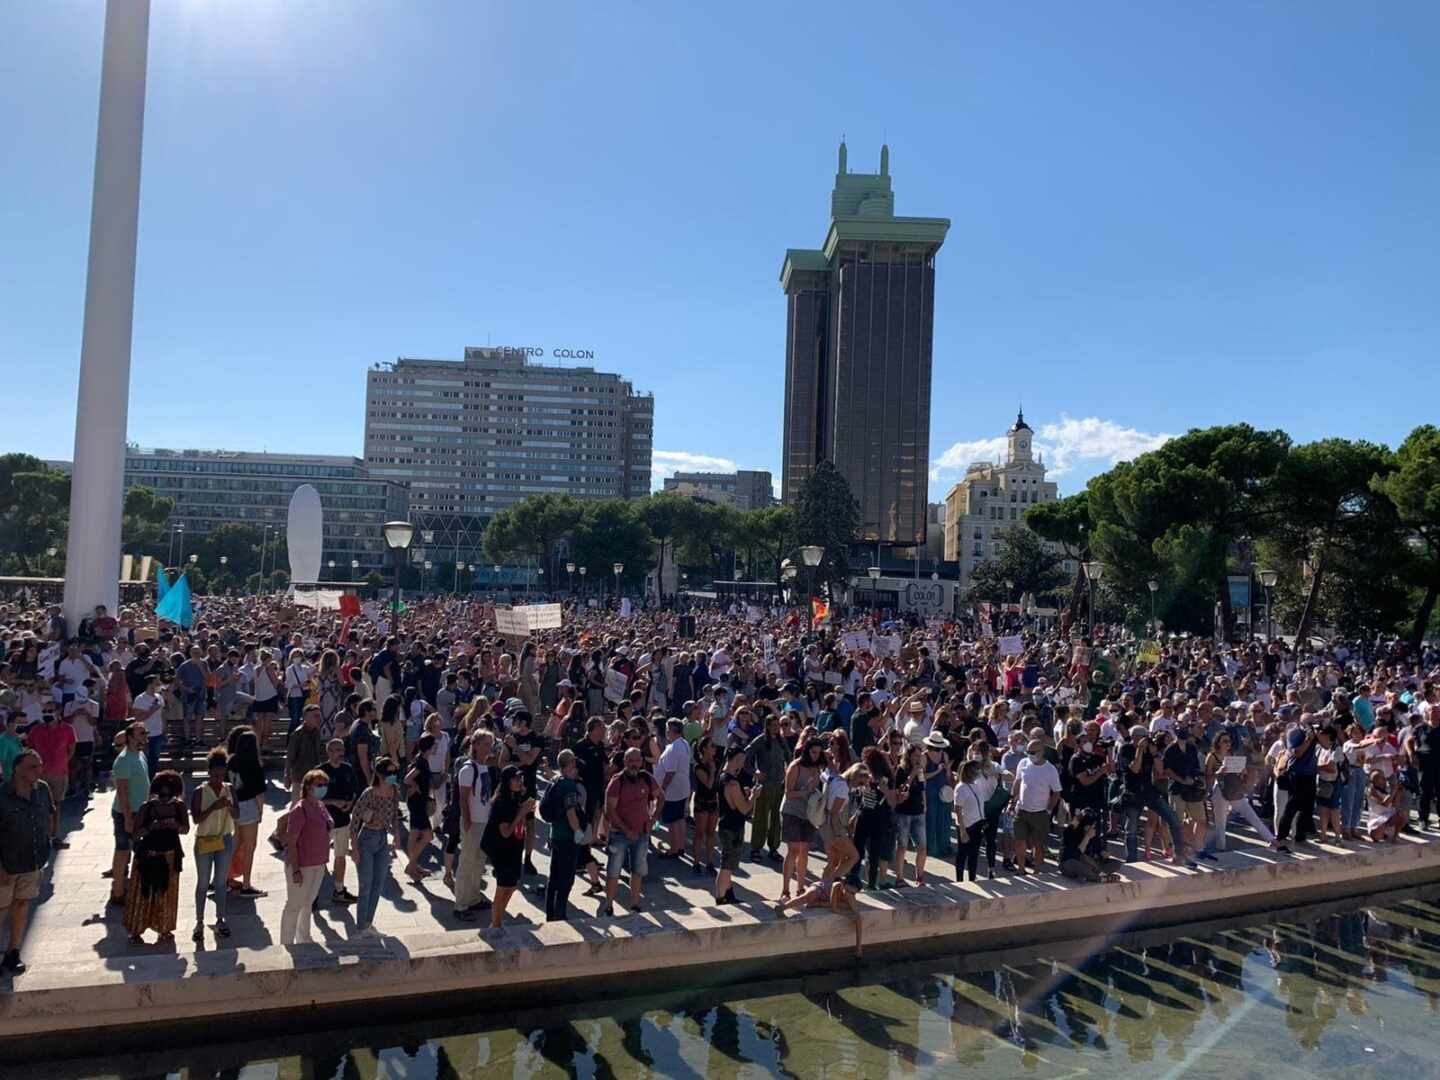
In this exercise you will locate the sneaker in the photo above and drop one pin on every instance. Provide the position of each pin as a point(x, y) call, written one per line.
point(251, 893)
point(607, 911)
point(222, 928)
point(60, 845)
point(530, 867)
point(344, 896)
point(12, 963)
point(466, 914)
point(1206, 856)
point(199, 935)
point(637, 906)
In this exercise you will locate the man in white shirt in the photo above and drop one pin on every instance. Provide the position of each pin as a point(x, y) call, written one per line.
point(73, 671)
point(149, 709)
point(1036, 794)
point(673, 771)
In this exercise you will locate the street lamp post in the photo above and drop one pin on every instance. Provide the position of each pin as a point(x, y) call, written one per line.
point(619, 568)
point(569, 584)
point(180, 528)
point(1154, 587)
point(496, 570)
point(810, 555)
point(1093, 572)
point(1268, 578)
point(330, 564)
point(874, 573)
point(425, 576)
point(1009, 588)
point(398, 535)
point(582, 580)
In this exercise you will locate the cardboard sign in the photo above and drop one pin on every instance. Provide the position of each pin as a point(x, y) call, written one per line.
point(1013, 645)
point(511, 622)
point(615, 686)
point(855, 641)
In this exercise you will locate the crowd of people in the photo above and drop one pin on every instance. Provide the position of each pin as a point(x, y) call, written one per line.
point(880, 751)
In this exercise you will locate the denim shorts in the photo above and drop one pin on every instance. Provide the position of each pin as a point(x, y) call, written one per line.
point(247, 813)
point(122, 838)
point(618, 847)
point(910, 830)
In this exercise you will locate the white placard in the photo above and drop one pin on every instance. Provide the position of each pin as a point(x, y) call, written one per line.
point(1013, 645)
point(512, 622)
point(855, 641)
point(615, 686)
point(1234, 764)
point(752, 613)
point(886, 645)
point(543, 616)
point(626, 608)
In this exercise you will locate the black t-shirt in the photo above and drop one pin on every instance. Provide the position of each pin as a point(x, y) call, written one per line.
point(590, 757)
point(1142, 781)
point(1184, 762)
point(914, 803)
point(343, 784)
point(1091, 795)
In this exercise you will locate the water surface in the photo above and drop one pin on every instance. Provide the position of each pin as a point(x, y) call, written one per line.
point(1345, 993)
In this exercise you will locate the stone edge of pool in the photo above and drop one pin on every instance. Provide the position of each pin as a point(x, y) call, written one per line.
point(109, 995)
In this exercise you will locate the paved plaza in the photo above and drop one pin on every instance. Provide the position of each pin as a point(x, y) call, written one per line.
point(72, 919)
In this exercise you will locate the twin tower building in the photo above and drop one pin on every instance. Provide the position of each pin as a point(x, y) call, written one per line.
point(858, 352)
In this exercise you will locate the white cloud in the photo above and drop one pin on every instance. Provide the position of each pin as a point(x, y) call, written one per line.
point(665, 463)
point(954, 461)
point(1065, 446)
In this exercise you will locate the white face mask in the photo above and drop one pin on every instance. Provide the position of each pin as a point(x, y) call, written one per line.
point(1038, 758)
point(1087, 746)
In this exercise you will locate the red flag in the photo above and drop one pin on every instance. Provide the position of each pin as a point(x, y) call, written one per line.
point(819, 611)
point(349, 605)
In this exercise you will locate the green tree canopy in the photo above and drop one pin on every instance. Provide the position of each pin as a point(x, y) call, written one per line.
point(1024, 562)
point(610, 531)
point(532, 527)
point(770, 532)
point(827, 514)
point(1177, 512)
point(1413, 488)
point(143, 521)
point(1322, 502)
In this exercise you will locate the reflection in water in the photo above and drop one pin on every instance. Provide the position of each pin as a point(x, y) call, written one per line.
point(1351, 993)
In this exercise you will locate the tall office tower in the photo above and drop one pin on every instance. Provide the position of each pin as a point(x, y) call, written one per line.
point(858, 341)
point(474, 436)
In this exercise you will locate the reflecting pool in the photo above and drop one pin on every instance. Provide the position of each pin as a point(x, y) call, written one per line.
point(1351, 992)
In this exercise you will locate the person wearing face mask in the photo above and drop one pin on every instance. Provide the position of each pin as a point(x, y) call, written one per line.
point(1036, 795)
point(307, 851)
point(372, 820)
point(1090, 770)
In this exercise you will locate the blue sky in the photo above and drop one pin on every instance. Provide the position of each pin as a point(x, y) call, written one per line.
point(1163, 215)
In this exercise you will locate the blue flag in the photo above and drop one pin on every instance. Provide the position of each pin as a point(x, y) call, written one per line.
point(176, 605)
point(162, 583)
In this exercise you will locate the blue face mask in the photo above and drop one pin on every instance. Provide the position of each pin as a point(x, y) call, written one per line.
point(393, 780)
point(320, 790)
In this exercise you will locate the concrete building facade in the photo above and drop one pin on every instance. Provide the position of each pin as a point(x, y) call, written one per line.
point(746, 489)
point(217, 487)
point(991, 499)
point(472, 436)
point(858, 355)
